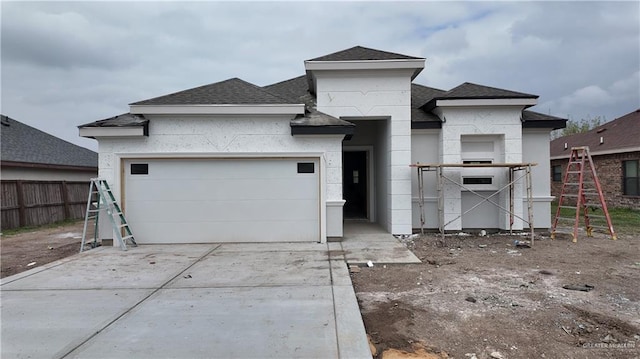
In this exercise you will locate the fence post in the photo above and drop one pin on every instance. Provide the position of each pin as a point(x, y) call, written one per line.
point(22, 216)
point(65, 200)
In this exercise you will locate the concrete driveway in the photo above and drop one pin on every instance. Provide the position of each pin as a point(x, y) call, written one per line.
point(281, 300)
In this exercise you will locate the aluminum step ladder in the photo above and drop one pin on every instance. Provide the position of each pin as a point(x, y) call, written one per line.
point(581, 191)
point(101, 198)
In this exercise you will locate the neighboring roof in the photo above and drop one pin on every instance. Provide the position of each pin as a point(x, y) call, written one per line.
point(124, 120)
point(619, 135)
point(25, 145)
point(470, 90)
point(532, 119)
point(229, 92)
point(359, 53)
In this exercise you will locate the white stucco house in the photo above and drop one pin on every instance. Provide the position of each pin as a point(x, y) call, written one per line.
point(232, 161)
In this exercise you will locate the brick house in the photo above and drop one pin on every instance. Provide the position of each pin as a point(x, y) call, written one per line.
point(615, 149)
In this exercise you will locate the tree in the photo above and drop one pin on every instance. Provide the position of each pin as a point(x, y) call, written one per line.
point(578, 126)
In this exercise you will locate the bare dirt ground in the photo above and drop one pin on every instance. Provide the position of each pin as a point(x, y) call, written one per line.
point(483, 297)
point(30, 249)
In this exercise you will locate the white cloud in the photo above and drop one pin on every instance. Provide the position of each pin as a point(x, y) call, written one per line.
point(68, 63)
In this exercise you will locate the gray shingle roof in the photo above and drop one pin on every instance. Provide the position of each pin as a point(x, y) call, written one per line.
point(471, 90)
point(293, 88)
point(296, 89)
point(419, 96)
point(23, 143)
point(617, 135)
point(124, 120)
point(359, 53)
point(229, 92)
point(532, 119)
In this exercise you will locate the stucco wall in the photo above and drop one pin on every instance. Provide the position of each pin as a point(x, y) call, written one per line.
point(475, 120)
point(425, 149)
point(41, 174)
point(382, 94)
point(535, 149)
point(229, 136)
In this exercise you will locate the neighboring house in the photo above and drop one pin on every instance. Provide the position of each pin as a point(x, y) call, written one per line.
point(30, 154)
point(232, 161)
point(615, 149)
point(44, 179)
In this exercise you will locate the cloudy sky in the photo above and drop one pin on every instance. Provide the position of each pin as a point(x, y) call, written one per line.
point(69, 63)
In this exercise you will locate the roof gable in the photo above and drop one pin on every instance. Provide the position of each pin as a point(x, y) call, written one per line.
point(25, 144)
point(619, 135)
point(233, 91)
point(360, 53)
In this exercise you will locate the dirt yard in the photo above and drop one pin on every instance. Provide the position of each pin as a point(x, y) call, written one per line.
point(30, 249)
point(483, 297)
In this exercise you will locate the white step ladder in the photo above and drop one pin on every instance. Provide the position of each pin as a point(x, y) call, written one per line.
point(105, 200)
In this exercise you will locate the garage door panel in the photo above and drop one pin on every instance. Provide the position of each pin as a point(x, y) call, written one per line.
point(211, 232)
point(198, 211)
point(204, 200)
point(221, 168)
point(217, 189)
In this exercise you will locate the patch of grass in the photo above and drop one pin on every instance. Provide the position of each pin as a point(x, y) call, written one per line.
point(14, 231)
point(624, 220)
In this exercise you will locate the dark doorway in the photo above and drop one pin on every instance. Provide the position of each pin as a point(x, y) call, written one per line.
point(354, 184)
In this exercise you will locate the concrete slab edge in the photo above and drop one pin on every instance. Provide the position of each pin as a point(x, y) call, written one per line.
point(44, 267)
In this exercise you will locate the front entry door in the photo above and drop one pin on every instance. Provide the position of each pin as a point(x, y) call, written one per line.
point(354, 184)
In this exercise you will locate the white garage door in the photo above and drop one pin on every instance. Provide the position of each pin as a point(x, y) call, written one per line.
point(222, 200)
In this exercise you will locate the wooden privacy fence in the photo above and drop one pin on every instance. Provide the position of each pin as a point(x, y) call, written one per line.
point(34, 203)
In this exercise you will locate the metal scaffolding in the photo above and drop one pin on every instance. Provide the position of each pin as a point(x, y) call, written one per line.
point(440, 173)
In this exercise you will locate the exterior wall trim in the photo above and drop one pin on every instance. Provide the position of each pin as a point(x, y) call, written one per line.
point(279, 109)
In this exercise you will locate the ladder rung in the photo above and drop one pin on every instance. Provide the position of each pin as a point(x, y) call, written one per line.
point(572, 207)
point(127, 237)
point(600, 227)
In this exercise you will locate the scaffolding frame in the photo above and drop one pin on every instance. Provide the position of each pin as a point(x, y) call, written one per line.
point(513, 168)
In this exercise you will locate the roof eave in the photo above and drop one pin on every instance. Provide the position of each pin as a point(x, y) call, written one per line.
point(599, 153)
point(426, 125)
point(417, 64)
point(224, 109)
point(322, 130)
point(551, 124)
point(480, 101)
point(47, 166)
point(114, 131)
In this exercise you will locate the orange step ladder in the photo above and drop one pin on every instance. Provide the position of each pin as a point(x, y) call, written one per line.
point(582, 188)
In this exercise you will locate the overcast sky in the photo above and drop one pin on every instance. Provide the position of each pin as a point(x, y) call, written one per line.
point(69, 63)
